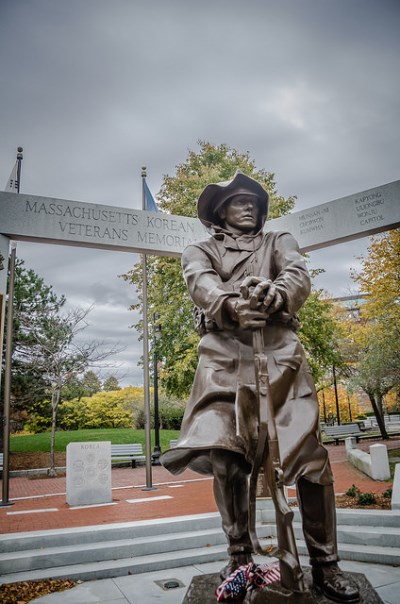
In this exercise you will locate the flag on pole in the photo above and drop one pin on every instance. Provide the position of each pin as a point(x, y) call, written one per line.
point(12, 183)
point(149, 203)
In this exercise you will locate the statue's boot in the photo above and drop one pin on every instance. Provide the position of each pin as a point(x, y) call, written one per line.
point(317, 506)
point(231, 485)
point(334, 584)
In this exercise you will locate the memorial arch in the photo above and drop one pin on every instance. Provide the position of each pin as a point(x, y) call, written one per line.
point(72, 223)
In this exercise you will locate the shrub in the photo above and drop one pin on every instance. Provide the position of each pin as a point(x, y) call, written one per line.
point(388, 493)
point(171, 417)
point(366, 498)
point(353, 491)
point(38, 424)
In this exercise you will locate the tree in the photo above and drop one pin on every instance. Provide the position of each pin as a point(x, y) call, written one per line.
point(123, 408)
point(90, 383)
point(108, 410)
point(167, 294)
point(58, 357)
point(33, 299)
point(347, 402)
point(111, 383)
point(378, 337)
point(321, 334)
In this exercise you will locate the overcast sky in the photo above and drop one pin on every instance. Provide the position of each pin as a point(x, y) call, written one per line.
point(94, 89)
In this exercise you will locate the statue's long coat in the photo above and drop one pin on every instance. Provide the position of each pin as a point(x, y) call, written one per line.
point(222, 410)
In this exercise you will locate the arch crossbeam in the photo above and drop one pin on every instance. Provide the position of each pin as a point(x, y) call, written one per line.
point(61, 221)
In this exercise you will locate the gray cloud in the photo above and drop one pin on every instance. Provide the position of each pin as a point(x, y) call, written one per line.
point(94, 90)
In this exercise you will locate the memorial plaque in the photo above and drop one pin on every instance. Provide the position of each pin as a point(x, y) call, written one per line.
point(345, 219)
point(89, 473)
point(45, 219)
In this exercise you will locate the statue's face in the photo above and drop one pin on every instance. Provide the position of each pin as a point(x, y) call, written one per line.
point(240, 214)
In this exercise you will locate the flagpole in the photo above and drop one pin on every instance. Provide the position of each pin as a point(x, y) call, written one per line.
point(8, 359)
point(146, 380)
point(19, 161)
point(7, 384)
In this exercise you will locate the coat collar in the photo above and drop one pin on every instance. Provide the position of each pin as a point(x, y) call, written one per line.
point(241, 243)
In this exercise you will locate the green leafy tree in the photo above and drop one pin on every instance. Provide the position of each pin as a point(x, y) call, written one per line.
point(321, 335)
point(111, 383)
point(59, 357)
point(106, 409)
point(167, 293)
point(72, 389)
point(33, 300)
point(378, 336)
point(90, 383)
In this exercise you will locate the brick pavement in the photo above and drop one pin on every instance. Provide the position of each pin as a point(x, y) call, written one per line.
point(40, 503)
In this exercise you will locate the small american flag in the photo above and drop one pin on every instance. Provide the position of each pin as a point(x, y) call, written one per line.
point(247, 577)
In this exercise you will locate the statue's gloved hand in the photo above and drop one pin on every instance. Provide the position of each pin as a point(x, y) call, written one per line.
point(262, 294)
point(247, 317)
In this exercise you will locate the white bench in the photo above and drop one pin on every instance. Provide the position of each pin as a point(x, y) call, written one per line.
point(173, 443)
point(133, 452)
point(1, 462)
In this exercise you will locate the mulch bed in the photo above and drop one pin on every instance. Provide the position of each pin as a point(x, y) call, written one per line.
point(344, 501)
point(25, 591)
point(382, 503)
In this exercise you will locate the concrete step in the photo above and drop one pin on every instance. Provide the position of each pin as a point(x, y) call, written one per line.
point(369, 536)
point(358, 549)
point(111, 532)
point(360, 553)
point(119, 549)
point(106, 550)
point(61, 556)
point(345, 516)
point(122, 567)
point(358, 535)
point(154, 562)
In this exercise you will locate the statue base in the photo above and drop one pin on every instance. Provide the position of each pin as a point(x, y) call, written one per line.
point(202, 591)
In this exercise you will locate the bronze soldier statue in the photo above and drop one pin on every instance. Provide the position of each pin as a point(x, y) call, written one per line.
point(220, 427)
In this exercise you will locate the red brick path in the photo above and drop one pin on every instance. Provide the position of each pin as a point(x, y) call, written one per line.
point(188, 493)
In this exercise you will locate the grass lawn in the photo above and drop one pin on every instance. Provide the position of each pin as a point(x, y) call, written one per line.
point(41, 442)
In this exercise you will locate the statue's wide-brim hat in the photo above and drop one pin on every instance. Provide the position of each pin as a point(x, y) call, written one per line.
point(216, 194)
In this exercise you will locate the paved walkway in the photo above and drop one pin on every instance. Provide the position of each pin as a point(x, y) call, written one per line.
point(147, 588)
point(40, 503)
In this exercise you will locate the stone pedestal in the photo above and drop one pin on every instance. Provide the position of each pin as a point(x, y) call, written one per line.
point(89, 473)
point(202, 591)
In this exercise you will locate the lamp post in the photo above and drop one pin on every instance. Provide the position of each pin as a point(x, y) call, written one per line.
point(155, 458)
point(324, 405)
point(349, 404)
point(336, 394)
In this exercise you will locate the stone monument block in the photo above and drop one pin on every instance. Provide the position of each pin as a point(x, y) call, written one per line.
point(379, 462)
point(89, 473)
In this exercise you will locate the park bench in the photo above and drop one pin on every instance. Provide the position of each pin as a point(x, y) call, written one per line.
point(172, 443)
point(133, 452)
point(338, 433)
point(1, 462)
point(392, 418)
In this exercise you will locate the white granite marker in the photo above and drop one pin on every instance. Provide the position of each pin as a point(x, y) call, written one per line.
point(89, 473)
